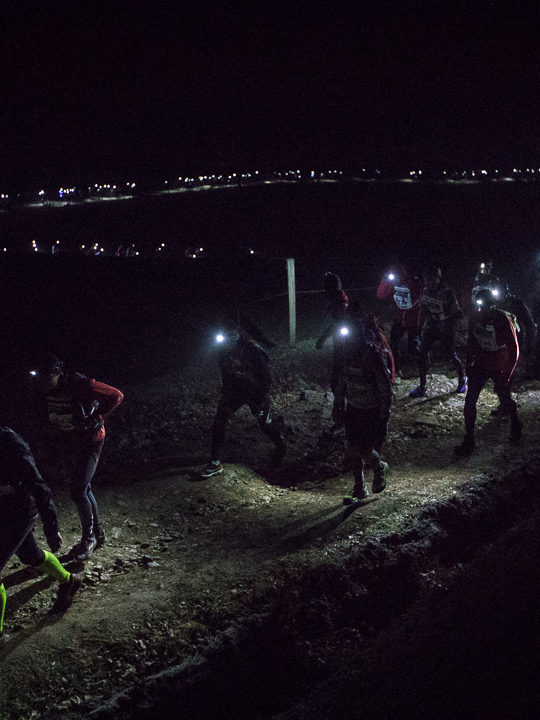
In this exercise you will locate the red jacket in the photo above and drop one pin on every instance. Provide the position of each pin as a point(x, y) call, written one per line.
point(492, 345)
point(406, 295)
point(79, 406)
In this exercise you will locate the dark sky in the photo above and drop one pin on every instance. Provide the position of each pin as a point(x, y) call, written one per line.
point(122, 88)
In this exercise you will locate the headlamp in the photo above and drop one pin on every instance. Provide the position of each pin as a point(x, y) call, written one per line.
point(391, 276)
point(344, 331)
point(33, 373)
point(495, 292)
point(220, 338)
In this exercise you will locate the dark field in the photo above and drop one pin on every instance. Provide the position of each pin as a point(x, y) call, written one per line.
point(99, 310)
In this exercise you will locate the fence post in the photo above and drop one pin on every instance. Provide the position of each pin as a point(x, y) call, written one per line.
point(291, 284)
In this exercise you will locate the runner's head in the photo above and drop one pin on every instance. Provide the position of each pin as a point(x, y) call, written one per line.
point(397, 273)
point(332, 283)
point(356, 324)
point(484, 300)
point(484, 268)
point(432, 277)
point(49, 371)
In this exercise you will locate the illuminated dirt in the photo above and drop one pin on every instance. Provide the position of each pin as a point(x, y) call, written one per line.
point(253, 593)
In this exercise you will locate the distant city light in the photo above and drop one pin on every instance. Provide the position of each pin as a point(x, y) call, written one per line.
point(63, 194)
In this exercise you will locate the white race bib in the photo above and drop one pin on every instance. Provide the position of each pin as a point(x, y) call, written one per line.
point(60, 412)
point(402, 297)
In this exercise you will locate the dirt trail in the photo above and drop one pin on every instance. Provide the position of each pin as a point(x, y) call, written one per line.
point(186, 559)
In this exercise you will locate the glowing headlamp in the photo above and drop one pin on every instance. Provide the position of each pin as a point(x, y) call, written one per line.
point(495, 292)
point(391, 276)
point(482, 266)
point(344, 331)
point(220, 338)
point(33, 373)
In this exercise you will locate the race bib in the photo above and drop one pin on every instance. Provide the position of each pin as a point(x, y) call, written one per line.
point(60, 412)
point(402, 297)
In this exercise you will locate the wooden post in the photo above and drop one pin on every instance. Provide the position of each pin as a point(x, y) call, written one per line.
point(291, 284)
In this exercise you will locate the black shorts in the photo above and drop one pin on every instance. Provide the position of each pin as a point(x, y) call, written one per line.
point(364, 428)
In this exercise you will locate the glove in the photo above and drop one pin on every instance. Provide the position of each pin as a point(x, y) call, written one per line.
point(93, 423)
point(54, 542)
point(319, 344)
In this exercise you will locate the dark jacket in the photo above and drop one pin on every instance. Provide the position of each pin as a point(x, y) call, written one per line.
point(22, 485)
point(245, 371)
point(439, 307)
point(364, 379)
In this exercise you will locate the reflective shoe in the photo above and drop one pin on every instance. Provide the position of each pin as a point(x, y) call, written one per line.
point(466, 447)
point(66, 593)
point(84, 549)
point(420, 391)
point(515, 431)
point(379, 478)
point(100, 536)
point(462, 385)
point(214, 467)
point(359, 493)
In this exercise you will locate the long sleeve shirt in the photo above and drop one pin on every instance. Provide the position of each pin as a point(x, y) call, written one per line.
point(438, 306)
point(406, 296)
point(80, 405)
point(245, 371)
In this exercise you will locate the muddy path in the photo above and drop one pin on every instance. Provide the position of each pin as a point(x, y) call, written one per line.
point(193, 569)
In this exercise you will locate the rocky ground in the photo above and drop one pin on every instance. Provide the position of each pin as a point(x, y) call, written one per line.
point(257, 594)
